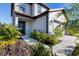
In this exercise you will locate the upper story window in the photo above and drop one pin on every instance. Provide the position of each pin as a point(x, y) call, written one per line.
point(22, 7)
point(39, 9)
point(25, 8)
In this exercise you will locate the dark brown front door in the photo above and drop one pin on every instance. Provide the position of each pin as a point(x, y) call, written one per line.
point(21, 25)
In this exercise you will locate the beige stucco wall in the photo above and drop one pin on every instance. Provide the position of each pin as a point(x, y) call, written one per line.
point(50, 24)
point(35, 8)
point(28, 27)
point(40, 24)
point(54, 16)
point(60, 18)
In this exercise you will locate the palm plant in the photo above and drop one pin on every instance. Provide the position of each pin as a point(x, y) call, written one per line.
point(71, 26)
point(9, 32)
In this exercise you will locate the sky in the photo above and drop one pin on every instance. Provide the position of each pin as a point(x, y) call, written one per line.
point(5, 10)
point(5, 13)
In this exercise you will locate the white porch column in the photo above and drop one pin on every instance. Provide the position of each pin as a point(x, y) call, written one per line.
point(16, 21)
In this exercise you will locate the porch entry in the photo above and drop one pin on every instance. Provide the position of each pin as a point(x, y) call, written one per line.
point(21, 25)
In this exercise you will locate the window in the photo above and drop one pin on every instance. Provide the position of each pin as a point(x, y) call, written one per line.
point(39, 9)
point(22, 7)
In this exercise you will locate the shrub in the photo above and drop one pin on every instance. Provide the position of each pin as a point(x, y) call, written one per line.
point(55, 39)
point(49, 39)
point(58, 31)
point(36, 35)
point(44, 37)
point(76, 51)
point(40, 50)
point(9, 32)
point(8, 42)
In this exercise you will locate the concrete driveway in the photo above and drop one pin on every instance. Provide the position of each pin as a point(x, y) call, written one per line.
point(65, 47)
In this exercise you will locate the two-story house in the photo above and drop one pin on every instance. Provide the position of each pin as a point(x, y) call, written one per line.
point(38, 16)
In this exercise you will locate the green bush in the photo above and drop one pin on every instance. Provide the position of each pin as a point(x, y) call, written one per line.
point(58, 31)
point(44, 37)
point(39, 49)
point(49, 39)
point(36, 35)
point(9, 32)
point(76, 51)
point(55, 39)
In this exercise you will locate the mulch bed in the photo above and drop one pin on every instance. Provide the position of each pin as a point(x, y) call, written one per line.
point(20, 48)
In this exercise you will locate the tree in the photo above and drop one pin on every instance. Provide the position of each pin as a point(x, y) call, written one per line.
point(71, 26)
point(0, 24)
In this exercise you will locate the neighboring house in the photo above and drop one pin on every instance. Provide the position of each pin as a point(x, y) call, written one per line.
point(38, 16)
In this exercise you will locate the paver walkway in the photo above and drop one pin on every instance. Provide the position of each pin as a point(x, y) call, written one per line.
point(65, 47)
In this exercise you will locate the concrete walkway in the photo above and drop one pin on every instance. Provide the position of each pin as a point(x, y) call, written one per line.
point(65, 47)
point(29, 40)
